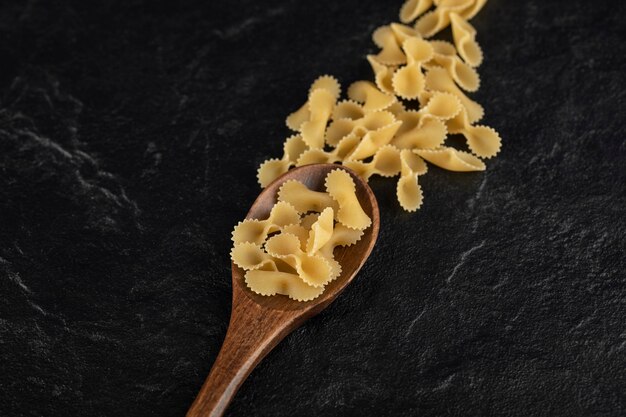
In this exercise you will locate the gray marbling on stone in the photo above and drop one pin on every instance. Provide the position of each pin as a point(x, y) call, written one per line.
point(130, 133)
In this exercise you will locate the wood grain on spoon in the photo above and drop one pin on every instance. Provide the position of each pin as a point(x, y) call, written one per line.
point(258, 323)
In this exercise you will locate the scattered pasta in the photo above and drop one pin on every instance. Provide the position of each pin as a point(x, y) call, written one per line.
point(291, 252)
point(390, 127)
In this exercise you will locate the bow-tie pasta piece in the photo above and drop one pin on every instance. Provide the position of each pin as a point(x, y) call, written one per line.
point(315, 156)
point(411, 9)
point(348, 109)
point(452, 159)
point(464, 36)
point(372, 98)
point(269, 283)
point(342, 236)
point(347, 146)
point(325, 82)
point(396, 108)
point(374, 140)
point(435, 21)
point(321, 104)
point(341, 187)
point(305, 200)
point(273, 168)
point(432, 22)
point(403, 32)
point(300, 231)
point(471, 11)
point(483, 141)
point(382, 75)
point(408, 81)
point(303, 230)
point(342, 151)
point(308, 220)
point(454, 5)
point(321, 231)
point(256, 231)
point(341, 128)
point(390, 53)
point(445, 56)
point(250, 256)
point(419, 130)
point(443, 106)
point(314, 270)
point(386, 163)
point(438, 79)
point(409, 192)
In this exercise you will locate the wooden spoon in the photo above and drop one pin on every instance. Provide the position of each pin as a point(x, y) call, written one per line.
point(258, 323)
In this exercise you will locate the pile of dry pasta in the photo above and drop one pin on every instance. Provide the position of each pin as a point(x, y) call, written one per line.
point(292, 251)
point(393, 125)
point(388, 127)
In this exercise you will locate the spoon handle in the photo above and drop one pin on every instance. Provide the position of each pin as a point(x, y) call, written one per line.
point(252, 333)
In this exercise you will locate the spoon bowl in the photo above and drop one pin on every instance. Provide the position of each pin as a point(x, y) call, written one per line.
point(258, 323)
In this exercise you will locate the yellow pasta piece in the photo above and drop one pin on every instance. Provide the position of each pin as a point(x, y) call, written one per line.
point(411, 9)
point(308, 219)
point(452, 159)
point(275, 282)
point(390, 53)
point(438, 79)
point(386, 163)
point(408, 191)
point(374, 140)
point(445, 56)
point(321, 104)
point(341, 128)
point(313, 269)
point(464, 36)
point(348, 109)
point(443, 48)
point(250, 256)
point(256, 231)
point(454, 5)
point(342, 151)
point(342, 236)
point(403, 32)
point(483, 141)
point(408, 81)
point(273, 168)
point(470, 12)
point(325, 82)
point(340, 186)
point(435, 21)
point(372, 98)
point(419, 130)
point(382, 75)
point(303, 199)
point(299, 230)
point(443, 106)
point(432, 22)
point(396, 108)
point(321, 231)
point(328, 83)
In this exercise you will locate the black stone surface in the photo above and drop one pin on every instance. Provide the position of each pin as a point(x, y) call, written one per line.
point(130, 133)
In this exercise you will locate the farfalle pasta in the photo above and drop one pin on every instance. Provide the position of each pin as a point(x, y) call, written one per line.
point(409, 192)
point(396, 123)
point(408, 81)
point(291, 252)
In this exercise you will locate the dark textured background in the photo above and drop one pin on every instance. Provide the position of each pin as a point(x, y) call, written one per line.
point(130, 133)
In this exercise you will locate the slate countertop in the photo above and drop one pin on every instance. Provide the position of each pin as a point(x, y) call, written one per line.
point(130, 135)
